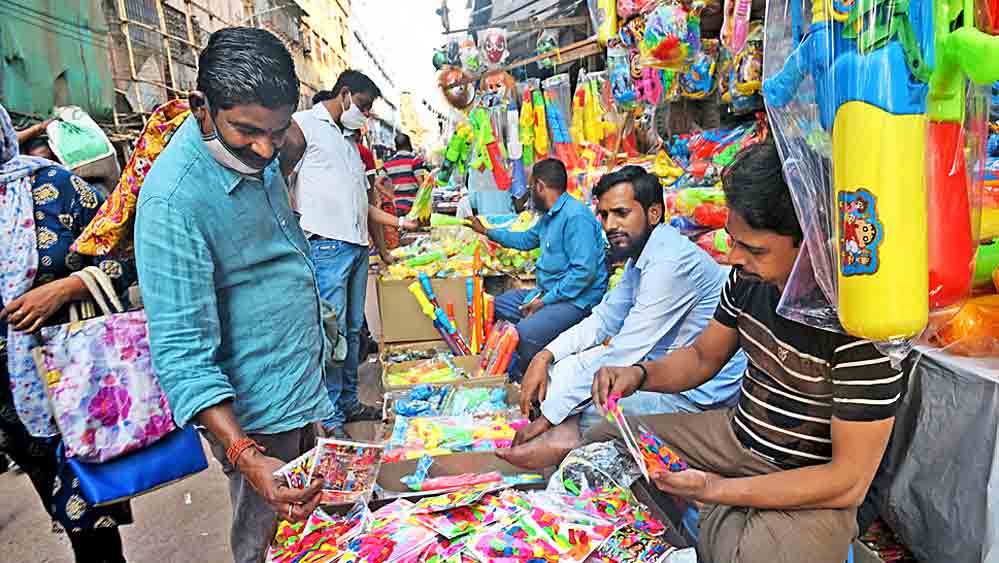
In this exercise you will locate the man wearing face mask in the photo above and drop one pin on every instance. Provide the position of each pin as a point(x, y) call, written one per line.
point(333, 198)
point(666, 296)
point(235, 323)
point(571, 273)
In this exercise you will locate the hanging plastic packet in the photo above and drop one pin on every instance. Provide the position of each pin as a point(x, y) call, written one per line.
point(735, 27)
point(697, 82)
point(603, 16)
point(628, 8)
point(622, 84)
point(672, 36)
point(745, 74)
point(470, 56)
point(492, 47)
point(547, 43)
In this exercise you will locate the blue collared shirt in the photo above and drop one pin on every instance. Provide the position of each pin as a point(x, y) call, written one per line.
point(571, 267)
point(229, 291)
point(664, 300)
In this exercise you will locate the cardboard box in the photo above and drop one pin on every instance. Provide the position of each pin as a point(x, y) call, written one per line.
point(512, 396)
point(404, 321)
point(468, 363)
point(387, 349)
point(454, 464)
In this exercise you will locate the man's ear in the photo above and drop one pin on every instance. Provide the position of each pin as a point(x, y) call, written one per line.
point(656, 214)
point(199, 107)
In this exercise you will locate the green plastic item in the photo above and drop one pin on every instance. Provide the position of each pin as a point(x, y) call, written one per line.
point(964, 52)
point(986, 262)
point(441, 220)
point(424, 259)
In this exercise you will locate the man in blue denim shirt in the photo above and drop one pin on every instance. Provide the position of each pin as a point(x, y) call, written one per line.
point(571, 272)
point(234, 312)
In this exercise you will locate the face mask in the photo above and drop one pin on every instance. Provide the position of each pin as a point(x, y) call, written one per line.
point(353, 118)
point(224, 154)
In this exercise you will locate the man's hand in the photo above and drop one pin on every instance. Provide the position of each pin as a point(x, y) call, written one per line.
point(531, 307)
point(288, 504)
point(410, 225)
point(615, 380)
point(690, 484)
point(30, 311)
point(477, 225)
point(387, 257)
point(535, 385)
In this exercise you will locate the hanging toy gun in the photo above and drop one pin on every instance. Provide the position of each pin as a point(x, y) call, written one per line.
point(515, 150)
point(560, 132)
point(527, 128)
point(540, 125)
point(487, 149)
point(870, 88)
point(965, 52)
point(456, 153)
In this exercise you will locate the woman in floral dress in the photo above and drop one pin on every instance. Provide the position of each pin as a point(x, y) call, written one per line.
point(43, 208)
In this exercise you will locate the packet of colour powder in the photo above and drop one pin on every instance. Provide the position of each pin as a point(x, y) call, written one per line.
point(348, 469)
point(297, 471)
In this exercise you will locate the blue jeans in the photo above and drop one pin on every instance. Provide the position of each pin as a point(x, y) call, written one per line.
point(342, 272)
point(538, 330)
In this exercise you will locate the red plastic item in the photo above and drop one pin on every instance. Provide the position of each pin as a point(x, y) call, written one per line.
point(951, 242)
point(711, 215)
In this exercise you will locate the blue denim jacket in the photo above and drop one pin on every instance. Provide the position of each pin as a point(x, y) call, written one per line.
point(572, 265)
point(229, 291)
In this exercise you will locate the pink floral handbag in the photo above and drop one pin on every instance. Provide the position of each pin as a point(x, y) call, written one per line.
point(99, 379)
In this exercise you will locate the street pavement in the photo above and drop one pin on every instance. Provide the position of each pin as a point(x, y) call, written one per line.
point(187, 522)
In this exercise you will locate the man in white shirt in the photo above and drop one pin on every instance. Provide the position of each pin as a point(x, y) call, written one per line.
point(331, 194)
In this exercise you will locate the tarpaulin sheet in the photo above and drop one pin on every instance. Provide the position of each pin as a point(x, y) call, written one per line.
point(939, 479)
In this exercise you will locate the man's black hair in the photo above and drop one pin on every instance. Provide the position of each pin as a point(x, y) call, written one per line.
point(755, 189)
point(646, 187)
point(552, 172)
point(34, 143)
point(245, 66)
point(402, 142)
point(353, 80)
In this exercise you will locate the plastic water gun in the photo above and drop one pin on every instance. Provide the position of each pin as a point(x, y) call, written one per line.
point(424, 259)
point(487, 148)
point(429, 310)
point(456, 152)
point(606, 20)
point(963, 53)
point(577, 130)
point(499, 349)
point(716, 243)
point(472, 317)
point(560, 132)
point(540, 125)
point(527, 128)
point(515, 151)
point(441, 220)
point(489, 303)
point(870, 87)
point(735, 30)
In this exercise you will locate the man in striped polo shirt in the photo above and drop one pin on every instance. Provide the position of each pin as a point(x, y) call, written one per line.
point(401, 168)
point(780, 476)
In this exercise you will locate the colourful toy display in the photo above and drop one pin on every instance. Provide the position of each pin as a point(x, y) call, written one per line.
point(487, 148)
point(603, 13)
point(540, 124)
point(499, 348)
point(430, 307)
point(672, 36)
point(492, 47)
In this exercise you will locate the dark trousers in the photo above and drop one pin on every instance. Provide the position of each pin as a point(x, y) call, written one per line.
point(538, 330)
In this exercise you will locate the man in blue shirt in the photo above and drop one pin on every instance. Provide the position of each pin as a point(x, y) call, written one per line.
point(666, 297)
point(571, 272)
point(234, 313)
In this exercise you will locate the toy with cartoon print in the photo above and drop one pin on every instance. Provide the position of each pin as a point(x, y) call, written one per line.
point(697, 81)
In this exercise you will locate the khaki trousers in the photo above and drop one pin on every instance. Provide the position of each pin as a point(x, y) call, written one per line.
point(733, 534)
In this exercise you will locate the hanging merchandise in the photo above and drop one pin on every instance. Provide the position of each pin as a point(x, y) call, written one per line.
point(541, 144)
point(470, 56)
point(628, 8)
point(457, 87)
point(547, 43)
point(497, 89)
point(631, 33)
point(603, 16)
point(440, 59)
point(492, 47)
point(672, 36)
point(887, 84)
point(735, 27)
point(527, 128)
point(558, 103)
point(650, 85)
point(452, 50)
point(486, 149)
point(456, 153)
point(743, 76)
point(515, 150)
point(697, 81)
point(622, 84)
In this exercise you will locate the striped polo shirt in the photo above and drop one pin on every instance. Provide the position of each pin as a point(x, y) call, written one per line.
point(799, 377)
point(401, 168)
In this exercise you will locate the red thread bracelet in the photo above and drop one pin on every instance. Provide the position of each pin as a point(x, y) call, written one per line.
point(237, 448)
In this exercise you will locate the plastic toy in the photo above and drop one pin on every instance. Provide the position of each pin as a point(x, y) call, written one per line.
point(698, 78)
point(487, 148)
point(603, 13)
point(527, 129)
point(672, 36)
point(628, 8)
point(493, 49)
point(424, 294)
point(471, 58)
point(716, 243)
point(649, 88)
point(974, 331)
point(547, 43)
point(499, 349)
point(622, 85)
point(735, 28)
point(457, 87)
point(473, 327)
point(963, 53)
point(515, 151)
point(456, 153)
point(540, 124)
point(560, 132)
point(441, 220)
point(986, 263)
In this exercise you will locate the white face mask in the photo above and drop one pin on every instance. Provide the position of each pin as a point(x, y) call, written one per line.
point(353, 118)
point(224, 155)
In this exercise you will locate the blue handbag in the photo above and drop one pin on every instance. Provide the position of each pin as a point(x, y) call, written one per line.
point(174, 457)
